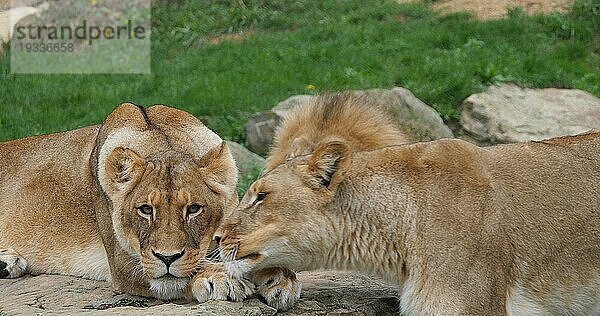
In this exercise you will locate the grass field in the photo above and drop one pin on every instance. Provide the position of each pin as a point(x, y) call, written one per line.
point(333, 45)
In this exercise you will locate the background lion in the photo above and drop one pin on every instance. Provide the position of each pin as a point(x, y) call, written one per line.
point(509, 229)
point(135, 200)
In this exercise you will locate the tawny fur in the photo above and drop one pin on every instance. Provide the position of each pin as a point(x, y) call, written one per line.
point(72, 195)
point(69, 204)
point(355, 119)
point(509, 229)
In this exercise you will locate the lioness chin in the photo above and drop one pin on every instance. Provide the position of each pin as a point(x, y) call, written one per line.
point(135, 200)
point(509, 229)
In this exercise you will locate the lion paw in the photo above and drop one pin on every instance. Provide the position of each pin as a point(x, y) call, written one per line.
point(12, 265)
point(279, 287)
point(213, 283)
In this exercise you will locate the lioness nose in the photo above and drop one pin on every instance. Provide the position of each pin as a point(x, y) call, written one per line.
point(217, 235)
point(168, 259)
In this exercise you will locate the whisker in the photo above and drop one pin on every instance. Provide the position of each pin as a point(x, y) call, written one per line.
point(225, 254)
point(235, 252)
point(213, 251)
point(214, 255)
point(136, 274)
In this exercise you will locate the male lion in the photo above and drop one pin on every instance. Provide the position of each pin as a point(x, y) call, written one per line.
point(135, 200)
point(509, 229)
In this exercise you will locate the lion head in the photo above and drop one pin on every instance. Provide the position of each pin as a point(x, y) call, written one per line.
point(351, 117)
point(282, 219)
point(168, 181)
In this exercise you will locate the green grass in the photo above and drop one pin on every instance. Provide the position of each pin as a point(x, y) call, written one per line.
point(333, 45)
point(252, 173)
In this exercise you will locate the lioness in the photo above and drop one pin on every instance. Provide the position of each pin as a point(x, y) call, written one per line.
point(509, 229)
point(347, 116)
point(135, 200)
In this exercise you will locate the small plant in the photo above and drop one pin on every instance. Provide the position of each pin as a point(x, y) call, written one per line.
point(246, 180)
point(491, 75)
point(515, 13)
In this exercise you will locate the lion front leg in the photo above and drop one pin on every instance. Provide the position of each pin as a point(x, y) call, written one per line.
point(213, 283)
point(12, 265)
point(278, 286)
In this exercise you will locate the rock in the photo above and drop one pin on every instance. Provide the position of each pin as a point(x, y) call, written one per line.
point(417, 119)
point(260, 130)
point(324, 293)
point(508, 113)
point(247, 161)
point(10, 18)
point(285, 106)
point(344, 293)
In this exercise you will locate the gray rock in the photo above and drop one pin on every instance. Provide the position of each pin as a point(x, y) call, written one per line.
point(260, 130)
point(417, 119)
point(420, 121)
point(285, 106)
point(324, 293)
point(509, 113)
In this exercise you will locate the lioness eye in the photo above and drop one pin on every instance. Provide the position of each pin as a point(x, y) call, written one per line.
point(260, 197)
point(145, 209)
point(194, 208)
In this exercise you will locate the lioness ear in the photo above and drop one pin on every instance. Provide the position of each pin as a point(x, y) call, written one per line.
point(329, 162)
point(218, 157)
point(123, 164)
point(219, 165)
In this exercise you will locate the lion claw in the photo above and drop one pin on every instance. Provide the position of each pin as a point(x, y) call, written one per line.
point(12, 265)
point(214, 284)
point(279, 287)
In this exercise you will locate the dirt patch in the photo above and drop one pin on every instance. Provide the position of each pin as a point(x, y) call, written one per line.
point(229, 37)
point(496, 9)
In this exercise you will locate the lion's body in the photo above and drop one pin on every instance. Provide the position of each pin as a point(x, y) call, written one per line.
point(509, 229)
point(135, 200)
point(47, 204)
point(515, 225)
point(67, 199)
point(348, 117)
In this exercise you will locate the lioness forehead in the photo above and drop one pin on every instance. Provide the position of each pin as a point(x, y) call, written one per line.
point(179, 197)
point(197, 141)
point(284, 173)
point(164, 140)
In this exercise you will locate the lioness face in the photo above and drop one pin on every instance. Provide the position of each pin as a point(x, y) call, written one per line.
point(166, 209)
point(282, 219)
